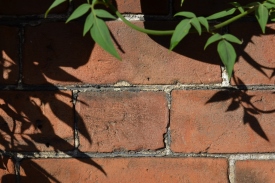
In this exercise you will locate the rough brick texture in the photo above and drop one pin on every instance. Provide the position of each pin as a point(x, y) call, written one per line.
point(71, 112)
point(222, 121)
point(255, 171)
point(121, 121)
point(36, 121)
point(129, 170)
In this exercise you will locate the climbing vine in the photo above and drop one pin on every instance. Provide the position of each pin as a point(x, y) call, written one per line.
point(190, 23)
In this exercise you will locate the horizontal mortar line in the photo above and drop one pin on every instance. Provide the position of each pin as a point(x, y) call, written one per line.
point(126, 86)
point(133, 154)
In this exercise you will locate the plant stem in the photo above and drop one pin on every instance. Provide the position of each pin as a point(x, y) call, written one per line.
point(233, 19)
point(170, 32)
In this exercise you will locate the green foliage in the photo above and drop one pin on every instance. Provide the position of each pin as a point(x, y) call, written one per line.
point(95, 23)
point(55, 3)
point(81, 10)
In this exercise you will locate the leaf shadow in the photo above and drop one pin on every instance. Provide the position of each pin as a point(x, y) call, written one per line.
point(32, 119)
point(240, 99)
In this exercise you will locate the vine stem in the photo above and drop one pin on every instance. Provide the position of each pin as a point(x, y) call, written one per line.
point(170, 32)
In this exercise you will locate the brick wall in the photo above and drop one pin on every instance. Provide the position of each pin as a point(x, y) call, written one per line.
point(69, 112)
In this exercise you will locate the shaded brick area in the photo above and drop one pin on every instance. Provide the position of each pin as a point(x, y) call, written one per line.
point(36, 121)
point(70, 112)
point(29, 7)
point(255, 171)
point(9, 48)
point(7, 172)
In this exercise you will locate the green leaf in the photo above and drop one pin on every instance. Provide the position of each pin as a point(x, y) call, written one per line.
point(104, 14)
point(204, 22)
point(212, 39)
point(88, 23)
point(101, 35)
point(185, 14)
point(231, 38)
point(237, 5)
point(180, 32)
point(271, 1)
point(195, 22)
point(261, 14)
point(269, 5)
point(55, 3)
point(181, 2)
point(221, 14)
point(81, 10)
point(228, 55)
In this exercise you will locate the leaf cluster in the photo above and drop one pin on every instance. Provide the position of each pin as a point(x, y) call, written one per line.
point(96, 25)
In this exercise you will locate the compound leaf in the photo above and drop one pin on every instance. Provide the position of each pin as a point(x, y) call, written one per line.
point(101, 35)
point(81, 10)
point(228, 55)
point(55, 3)
point(88, 23)
point(212, 39)
point(180, 32)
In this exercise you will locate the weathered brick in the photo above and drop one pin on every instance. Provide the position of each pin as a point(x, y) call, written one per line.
point(125, 170)
point(222, 121)
point(7, 173)
point(256, 60)
point(205, 8)
point(154, 7)
point(146, 59)
point(9, 55)
point(36, 121)
point(255, 171)
point(29, 7)
point(118, 121)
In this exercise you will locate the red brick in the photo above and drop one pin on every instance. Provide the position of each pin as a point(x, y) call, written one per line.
point(152, 7)
point(7, 173)
point(29, 7)
point(256, 53)
point(205, 8)
point(230, 122)
point(36, 121)
point(146, 60)
point(53, 52)
point(126, 170)
point(122, 120)
point(9, 55)
point(255, 171)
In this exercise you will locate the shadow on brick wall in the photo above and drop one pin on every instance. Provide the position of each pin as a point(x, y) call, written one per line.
point(255, 57)
point(40, 117)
